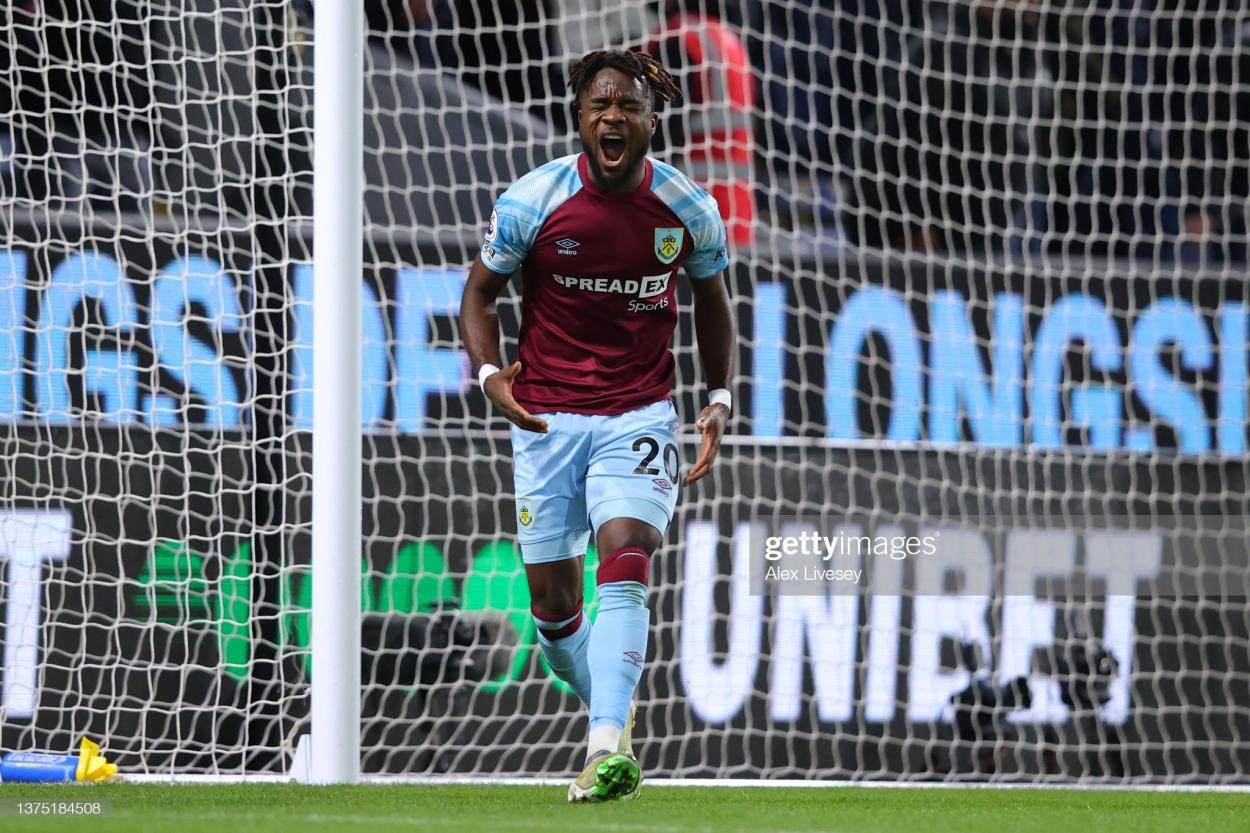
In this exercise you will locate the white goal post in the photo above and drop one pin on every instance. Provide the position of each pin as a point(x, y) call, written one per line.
point(989, 277)
point(338, 191)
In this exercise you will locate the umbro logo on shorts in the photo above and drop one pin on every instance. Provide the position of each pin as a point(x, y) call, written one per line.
point(634, 658)
point(567, 246)
point(662, 485)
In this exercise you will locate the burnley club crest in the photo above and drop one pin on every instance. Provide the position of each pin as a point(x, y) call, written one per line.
point(668, 244)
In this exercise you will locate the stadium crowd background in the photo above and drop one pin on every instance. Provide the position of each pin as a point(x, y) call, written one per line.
point(1105, 128)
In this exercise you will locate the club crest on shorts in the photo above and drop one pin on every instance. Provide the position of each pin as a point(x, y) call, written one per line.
point(668, 243)
point(524, 514)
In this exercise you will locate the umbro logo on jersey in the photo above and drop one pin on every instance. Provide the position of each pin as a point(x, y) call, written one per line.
point(567, 246)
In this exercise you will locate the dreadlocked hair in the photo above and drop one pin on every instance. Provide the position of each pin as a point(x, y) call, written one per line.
point(637, 65)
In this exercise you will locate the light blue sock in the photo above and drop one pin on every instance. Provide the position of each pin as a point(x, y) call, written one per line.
point(567, 657)
point(618, 646)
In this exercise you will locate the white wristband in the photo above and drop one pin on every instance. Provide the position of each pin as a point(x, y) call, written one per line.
point(483, 372)
point(721, 396)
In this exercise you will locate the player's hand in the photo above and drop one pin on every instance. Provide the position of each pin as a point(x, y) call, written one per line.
point(711, 424)
point(498, 389)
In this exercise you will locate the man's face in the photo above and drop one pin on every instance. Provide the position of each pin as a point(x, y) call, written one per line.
point(616, 124)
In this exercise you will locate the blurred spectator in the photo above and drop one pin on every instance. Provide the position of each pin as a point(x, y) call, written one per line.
point(793, 48)
point(588, 25)
point(76, 91)
point(403, 26)
point(1210, 95)
point(819, 65)
point(1152, 149)
point(946, 159)
point(712, 131)
point(509, 50)
point(818, 60)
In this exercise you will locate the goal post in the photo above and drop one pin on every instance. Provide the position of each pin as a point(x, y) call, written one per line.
point(338, 193)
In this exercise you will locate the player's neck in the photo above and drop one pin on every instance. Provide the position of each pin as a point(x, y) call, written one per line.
point(621, 187)
point(625, 186)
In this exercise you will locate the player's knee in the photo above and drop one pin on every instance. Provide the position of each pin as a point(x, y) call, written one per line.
point(557, 621)
point(556, 587)
point(624, 564)
point(553, 601)
point(555, 598)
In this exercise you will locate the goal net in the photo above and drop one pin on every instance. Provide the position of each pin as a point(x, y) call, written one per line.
point(981, 513)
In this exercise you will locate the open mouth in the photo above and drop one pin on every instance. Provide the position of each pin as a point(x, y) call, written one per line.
point(613, 148)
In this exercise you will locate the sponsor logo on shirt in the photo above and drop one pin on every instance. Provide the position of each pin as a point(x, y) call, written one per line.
point(567, 246)
point(643, 306)
point(648, 286)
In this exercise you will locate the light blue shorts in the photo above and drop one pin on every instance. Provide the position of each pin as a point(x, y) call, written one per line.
point(587, 470)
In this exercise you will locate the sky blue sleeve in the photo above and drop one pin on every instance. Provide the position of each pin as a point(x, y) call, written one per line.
point(698, 212)
point(707, 231)
point(522, 210)
point(509, 236)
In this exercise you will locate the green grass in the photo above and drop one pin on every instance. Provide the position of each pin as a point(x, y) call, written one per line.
point(279, 808)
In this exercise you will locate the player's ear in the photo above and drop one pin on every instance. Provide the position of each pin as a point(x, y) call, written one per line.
point(655, 120)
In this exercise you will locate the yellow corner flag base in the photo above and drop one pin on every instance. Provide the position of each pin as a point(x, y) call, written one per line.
point(88, 766)
point(92, 766)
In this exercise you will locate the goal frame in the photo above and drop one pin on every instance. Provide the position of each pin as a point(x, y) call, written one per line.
point(338, 215)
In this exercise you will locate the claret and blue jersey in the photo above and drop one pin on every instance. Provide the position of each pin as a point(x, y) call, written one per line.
point(598, 305)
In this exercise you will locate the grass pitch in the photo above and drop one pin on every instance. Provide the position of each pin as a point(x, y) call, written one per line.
point(279, 808)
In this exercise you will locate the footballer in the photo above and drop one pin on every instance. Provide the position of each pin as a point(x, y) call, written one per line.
point(598, 238)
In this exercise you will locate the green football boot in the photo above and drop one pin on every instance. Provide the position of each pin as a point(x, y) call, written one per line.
point(608, 776)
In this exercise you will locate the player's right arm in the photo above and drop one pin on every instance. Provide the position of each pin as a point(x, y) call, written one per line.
point(479, 329)
point(514, 224)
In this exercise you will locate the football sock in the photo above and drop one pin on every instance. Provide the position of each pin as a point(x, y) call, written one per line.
point(618, 646)
point(603, 737)
point(564, 644)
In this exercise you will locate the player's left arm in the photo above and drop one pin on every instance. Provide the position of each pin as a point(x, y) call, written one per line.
point(715, 331)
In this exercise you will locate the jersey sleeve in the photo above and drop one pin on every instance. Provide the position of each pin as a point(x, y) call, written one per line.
point(509, 235)
point(707, 234)
point(521, 211)
point(698, 212)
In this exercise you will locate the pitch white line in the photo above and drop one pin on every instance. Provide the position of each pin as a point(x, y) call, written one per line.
point(427, 821)
point(665, 783)
point(448, 821)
